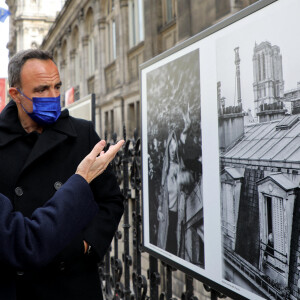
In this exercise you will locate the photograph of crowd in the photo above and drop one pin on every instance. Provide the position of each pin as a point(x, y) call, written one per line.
point(174, 158)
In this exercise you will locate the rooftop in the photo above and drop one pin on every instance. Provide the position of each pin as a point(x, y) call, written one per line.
point(275, 141)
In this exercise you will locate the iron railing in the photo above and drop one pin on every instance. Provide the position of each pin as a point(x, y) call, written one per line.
point(121, 274)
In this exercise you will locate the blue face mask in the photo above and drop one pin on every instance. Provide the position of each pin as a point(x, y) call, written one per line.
point(46, 110)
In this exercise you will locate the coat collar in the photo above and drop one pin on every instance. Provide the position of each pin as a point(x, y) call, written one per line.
point(52, 136)
point(11, 128)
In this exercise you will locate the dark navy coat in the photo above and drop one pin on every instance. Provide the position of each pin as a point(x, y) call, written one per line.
point(36, 165)
point(32, 242)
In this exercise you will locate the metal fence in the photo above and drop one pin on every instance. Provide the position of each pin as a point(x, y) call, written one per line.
point(121, 273)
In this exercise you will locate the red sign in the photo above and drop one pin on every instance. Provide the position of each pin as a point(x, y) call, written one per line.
point(2, 93)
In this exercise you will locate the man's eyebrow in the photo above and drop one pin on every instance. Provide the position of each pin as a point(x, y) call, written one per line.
point(45, 86)
point(41, 87)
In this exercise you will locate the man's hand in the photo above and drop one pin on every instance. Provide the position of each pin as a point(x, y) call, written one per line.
point(94, 164)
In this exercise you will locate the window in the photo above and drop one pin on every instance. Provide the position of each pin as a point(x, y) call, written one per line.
point(111, 35)
point(112, 122)
point(136, 22)
point(63, 70)
point(114, 48)
point(106, 122)
point(269, 216)
point(169, 12)
point(89, 26)
point(75, 58)
point(77, 69)
point(110, 6)
point(64, 52)
point(278, 231)
point(91, 85)
point(133, 117)
point(222, 8)
point(231, 183)
point(228, 207)
point(274, 223)
point(91, 55)
point(263, 66)
point(109, 123)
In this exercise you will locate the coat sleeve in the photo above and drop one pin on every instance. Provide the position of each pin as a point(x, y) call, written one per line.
point(33, 242)
point(110, 200)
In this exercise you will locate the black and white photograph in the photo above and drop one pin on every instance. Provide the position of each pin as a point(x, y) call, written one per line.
point(258, 99)
point(243, 151)
point(174, 156)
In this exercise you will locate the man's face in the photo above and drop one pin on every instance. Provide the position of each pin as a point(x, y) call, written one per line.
point(39, 78)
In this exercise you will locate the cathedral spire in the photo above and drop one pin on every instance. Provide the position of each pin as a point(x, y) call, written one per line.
point(238, 76)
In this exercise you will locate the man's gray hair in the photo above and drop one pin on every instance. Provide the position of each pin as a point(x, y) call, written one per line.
point(18, 60)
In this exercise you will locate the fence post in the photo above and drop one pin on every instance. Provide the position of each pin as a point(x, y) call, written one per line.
point(126, 255)
point(214, 295)
point(139, 281)
point(169, 282)
point(189, 293)
point(154, 277)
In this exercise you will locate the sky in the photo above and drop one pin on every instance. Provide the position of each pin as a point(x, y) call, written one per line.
point(3, 42)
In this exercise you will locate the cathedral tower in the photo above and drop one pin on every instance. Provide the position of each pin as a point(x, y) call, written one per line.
point(30, 21)
point(268, 85)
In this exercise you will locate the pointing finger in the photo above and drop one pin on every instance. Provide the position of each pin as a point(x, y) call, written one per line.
point(112, 151)
point(97, 149)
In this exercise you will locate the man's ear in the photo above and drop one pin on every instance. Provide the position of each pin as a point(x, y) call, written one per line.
point(14, 94)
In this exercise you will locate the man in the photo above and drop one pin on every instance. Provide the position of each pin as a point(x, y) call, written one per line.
point(40, 149)
point(28, 243)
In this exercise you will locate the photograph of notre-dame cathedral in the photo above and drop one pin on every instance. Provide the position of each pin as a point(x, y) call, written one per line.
point(259, 146)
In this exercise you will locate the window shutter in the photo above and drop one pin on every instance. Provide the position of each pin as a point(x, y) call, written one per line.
point(278, 232)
